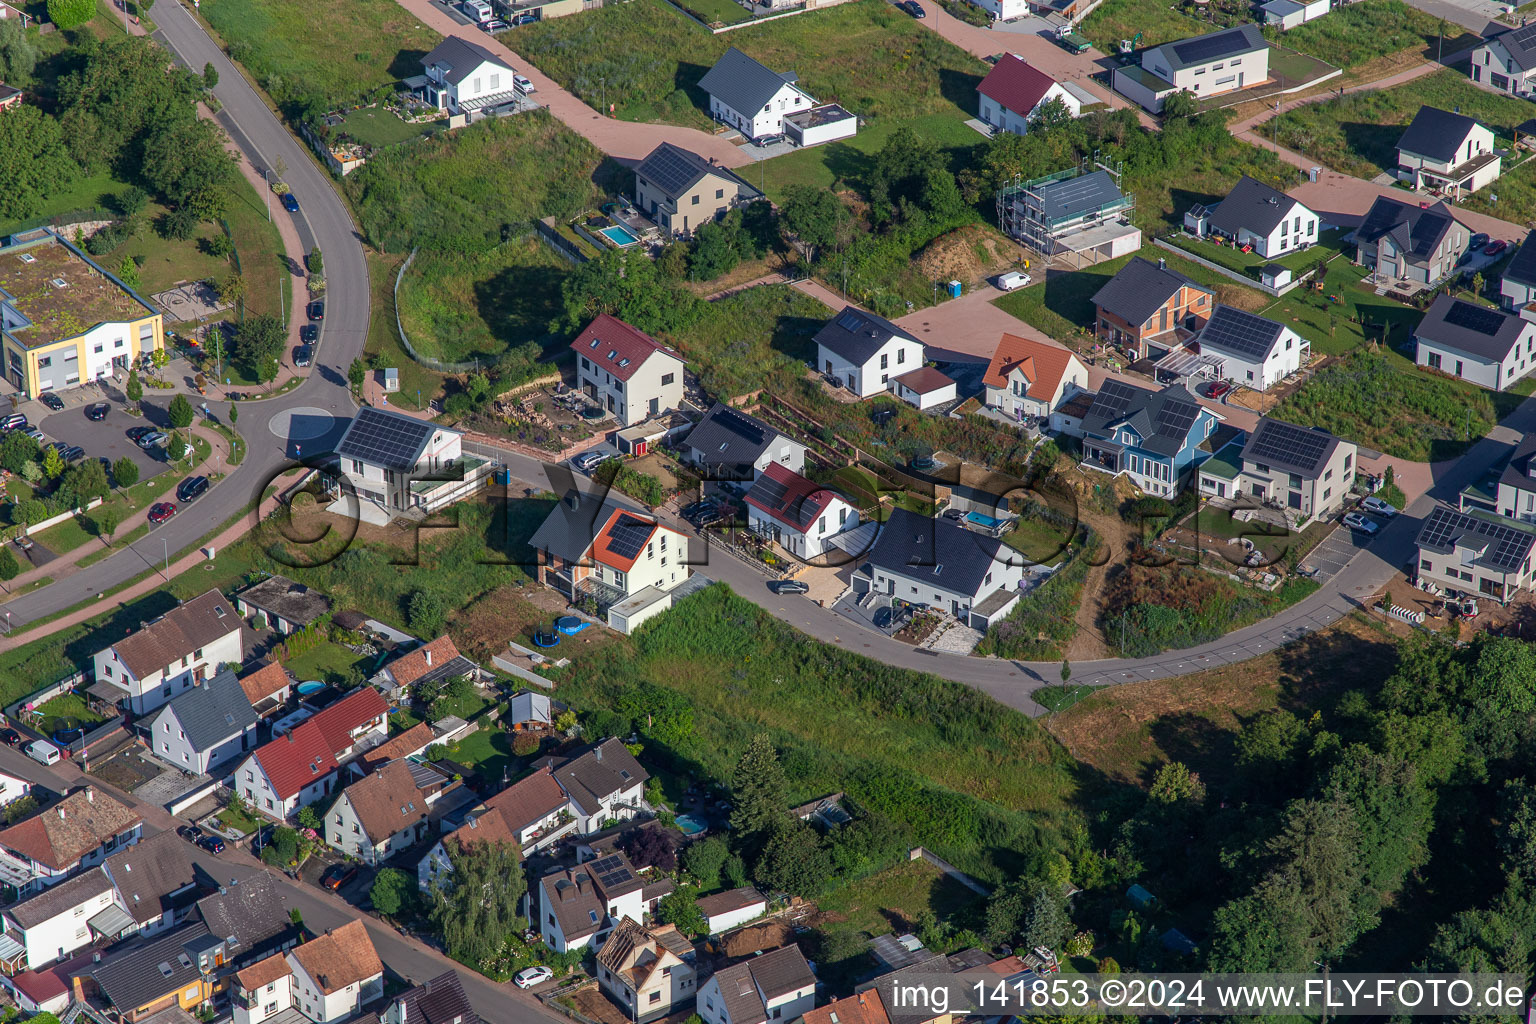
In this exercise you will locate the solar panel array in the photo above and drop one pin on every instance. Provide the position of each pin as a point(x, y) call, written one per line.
point(670, 168)
point(1480, 319)
point(1088, 192)
point(385, 440)
point(1286, 444)
point(627, 536)
point(1239, 332)
point(740, 425)
point(770, 492)
point(1113, 399)
point(611, 871)
point(1176, 417)
point(850, 320)
point(1209, 47)
point(1506, 548)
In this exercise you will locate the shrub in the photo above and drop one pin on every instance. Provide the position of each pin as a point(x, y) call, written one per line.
point(524, 743)
point(67, 14)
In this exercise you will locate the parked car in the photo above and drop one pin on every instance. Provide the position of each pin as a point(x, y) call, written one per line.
point(494, 25)
point(213, 844)
point(689, 511)
point(191, 833)
point(1356, 521)
point(954, 513)
point(791, 587)
point(154, 439)
point(15, 421)
point(35, 434)
point(290, 202)
point(10, 737)
point(51, 400)
point(98, 411)
point(338, 875)
point(1495, 247)
point(192, 488)
point(1378, 506)
point(768, 140)
point(137, 434)
point(883, 618)
point(589, 461)
point(523, 84)
point(914, 8)
point(316, 310)
point(161, 511)
point(72, 453)
point(303, 355)
point(1219, 388)
point(1478, 241)
point(525, 19)
point(531, 976)
point(309, 334)
point(1013, 279)
point(44, 752)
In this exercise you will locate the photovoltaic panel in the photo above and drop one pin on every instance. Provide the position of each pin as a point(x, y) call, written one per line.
point(611, 871)
point(1288, 445)
point(1209, 47)
point(671, 169)
point(1475, 318)
point(382, 439)
point(1176, 417)
point(627, 536)
point(1239, 332)
point(1114, 397)
point(770, 491)
point(1503, 547)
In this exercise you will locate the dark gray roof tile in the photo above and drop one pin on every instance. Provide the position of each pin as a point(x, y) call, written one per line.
point(1252, 205)
point(1435, 133)
point(936, 550)
point(857, 335)
point(742, 83)
point(212, 711)
point(1477, 330)
point(1140, 289)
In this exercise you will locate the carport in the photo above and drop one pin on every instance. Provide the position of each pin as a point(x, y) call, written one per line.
point(856, 541)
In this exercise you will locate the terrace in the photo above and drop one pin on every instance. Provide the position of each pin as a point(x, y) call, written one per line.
point(60, 292)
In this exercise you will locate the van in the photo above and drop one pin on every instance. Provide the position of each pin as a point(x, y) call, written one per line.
point(44, 752)
point(478, 10)
point(1013, 279)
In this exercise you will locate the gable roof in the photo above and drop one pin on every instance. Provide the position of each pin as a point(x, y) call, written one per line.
point(264, 972)
point(571, 894)
point(266, 681)
point(381, 437)
point(675, 170)
point(1501, 545)
point(341, 957)
point(1253, 205)
point(442, 1000)
point(743, 986)
point(337, 721)
point(529, 800)
point(287, 599)
point(461, 57)
point(1218, 45)
point(937, 551)
point(635, 953)
point(1416, 231)
point(413, 741)
point(297, 759)
point(861, 1008)
point(1520, 44)
point(789, 497)
point(602, 771)
point(60, 899)
point(1042, 365)
point(727, 435)
point(1436, 133)
point(858, 336)
point(248, 913)
point(730, 900)
point(1163, 419)
point(176, 634)
point(147, 873)
point(1014, 85)
point(1140, 289)
point(614, 346)
point(1522, 266)
point(388, 801)
point(489, 826)
point(623, 537)
point(62, 834)
point(1468, 327)
point(567, 532)
point(143, 973)
point(924, 380)
point(414, 664)
point(1240, 333)
point(1304, 450)
point(742, 83)
point(211, 711)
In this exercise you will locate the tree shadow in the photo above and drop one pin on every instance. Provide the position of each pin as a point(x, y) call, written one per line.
point(518, 303)
point(792, 335)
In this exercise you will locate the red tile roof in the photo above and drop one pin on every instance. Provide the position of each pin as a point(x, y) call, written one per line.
point(864, 1008)
point(264, 972)
point(408, 668)
point(264, 682)
point(294, 761)
point(796, 502)
point(613, 345)
point(413, 741)
point(1043, 365)
point(602, 548)
point(1015, 85)
point(923, 380)
point(337, 721)
point(72, 828)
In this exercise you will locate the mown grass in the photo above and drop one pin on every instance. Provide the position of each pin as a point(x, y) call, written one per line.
point(1352, 34)
point(851, 160)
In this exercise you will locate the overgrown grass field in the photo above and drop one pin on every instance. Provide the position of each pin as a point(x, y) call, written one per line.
point(752, 339)
point(1354, 33)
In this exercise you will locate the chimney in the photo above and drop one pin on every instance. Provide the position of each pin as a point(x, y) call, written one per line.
point(1162, 264)
point(62, 813)
point(573, 499)
point(90, 794)
point(598, 753)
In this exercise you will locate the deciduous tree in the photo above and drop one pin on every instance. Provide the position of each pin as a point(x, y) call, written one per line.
point(475, 907)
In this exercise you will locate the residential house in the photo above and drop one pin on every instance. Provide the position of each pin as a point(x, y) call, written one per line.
point(262, 991)
point(750, 97)
point(410, 743)
point(799, 515)
point(1506, 62)
point(80, 831)
point(1218, 62)
point(1305, 470)
point(1476, 553)
point(729, 446)
point(631, 554)
point(1258, 215)
point(139, 980)
point(205, 728)
point(1012, 93)
point(1149, 310)
point(1154, 438)
point(10, 96)
point(1488, 347)
point(1448, 153)
point(864, 1007)
point(1028, 378)
point(1411, 242)
point(939, 563)
point(336, 974)
point(626, 371)
point(578, 906)
point(1071, 214)
point(400, 462)
point(643, 970)
point(164, 656)
point(156, 881)
point(681, 191)
point(13, 788)
point(385, 812)
point(925, 387)
point(287, 606)
point(60, 921)
point(1512, 492)
point(1254, 351)
point(431, 663)
point(1287, 14)
point(604, 783)
point(64, 320)
point(481, 826)
point(267, 688)
point(299, 767)
point(252, 917)
point(463, 77)
point(441, 1000)
point(865, 351)
point(776, 986)
point(726, 910)
point(1517, 288)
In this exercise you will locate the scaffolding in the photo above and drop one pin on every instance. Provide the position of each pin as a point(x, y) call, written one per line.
point(1023, 212)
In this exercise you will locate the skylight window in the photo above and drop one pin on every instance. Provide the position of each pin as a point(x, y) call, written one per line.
point(27, 257)
point(595, 342)
point(612, 353)
point(938, 568)
point(623, 362)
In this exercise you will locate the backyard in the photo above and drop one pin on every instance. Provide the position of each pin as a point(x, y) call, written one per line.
point(379, 126)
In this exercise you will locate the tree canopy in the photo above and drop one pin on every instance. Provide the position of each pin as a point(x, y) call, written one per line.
point(475, 910)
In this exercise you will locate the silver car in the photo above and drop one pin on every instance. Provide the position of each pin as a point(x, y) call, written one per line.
point(1356, 521)
point(1377, 506)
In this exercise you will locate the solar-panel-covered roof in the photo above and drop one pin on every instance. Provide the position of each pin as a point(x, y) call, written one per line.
point(1240, 333)
point(1282, 445)
point(1162, 419)
point(675, 170)
point(1475, 330)
point(1227, 42)
point(1501, 546)
point(388, 439)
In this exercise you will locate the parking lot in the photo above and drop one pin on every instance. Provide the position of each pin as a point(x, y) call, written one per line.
point(107, 437)
point(1330, 557)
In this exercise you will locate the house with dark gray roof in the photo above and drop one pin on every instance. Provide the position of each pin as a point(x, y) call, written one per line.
point(1085, 215)
point(157, 881)
point(681, 190)
point(1517, 288)
point(287, 605)
point(776, 986)
point(940, 564)
point(1409, 242)
point(1506, 62)
point(604, 782)
point(751, 97)
point(164, 656)
point(463, 77)
point(398, 463)
point(1509, 488)
point(138, 980)
point(1476, 553)
point(440, 1000)
point(205, 728)
point(865, 351)
point(1462, 339)
point(1447, 153)
point(1253, 351)
point(1259, 215)
point(252, 917)
point(1150, 309)
point(1218, 62)
point(1154, 438)
point(576, 907)
point(1305, 471)
point(730, 446)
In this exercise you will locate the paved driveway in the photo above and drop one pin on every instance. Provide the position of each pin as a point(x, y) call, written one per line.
point(1330, 557)
point(109, 436)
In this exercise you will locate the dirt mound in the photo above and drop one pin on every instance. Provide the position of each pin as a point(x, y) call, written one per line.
point(966, 254)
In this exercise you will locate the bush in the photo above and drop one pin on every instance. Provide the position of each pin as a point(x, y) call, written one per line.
point(524, 743)
point(67, 14)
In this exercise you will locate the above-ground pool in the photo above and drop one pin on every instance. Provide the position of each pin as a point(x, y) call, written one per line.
point(305, 689)
point(984, 521)
point(620, 235)
point(690, 825)
point(570, 625)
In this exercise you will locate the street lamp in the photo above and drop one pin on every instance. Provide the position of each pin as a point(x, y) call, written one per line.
point(166, 544)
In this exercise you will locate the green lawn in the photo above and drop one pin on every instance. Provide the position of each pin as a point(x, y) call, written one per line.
point(380, 126)
point(850, 160)
point(384, 340)
point(1354, 33)
point(63, 707)
point(716, 12)
point(95, 192)
point(899, 896)
point(1156, 21)
point(1038, 540)
point(263, 264)
point(487, 749)
point(1357, 319)
point(326, 662)
point(1250, 263)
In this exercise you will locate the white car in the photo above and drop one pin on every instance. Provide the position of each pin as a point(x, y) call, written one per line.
point(533, 976)
point(1378, 507)
point(588, 461)
point(1013, 280)
point(44, 752)
point(523, 84)
point(1356, 521)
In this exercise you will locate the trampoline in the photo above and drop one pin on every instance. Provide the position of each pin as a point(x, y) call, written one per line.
point(570, 625)
point(543, 639)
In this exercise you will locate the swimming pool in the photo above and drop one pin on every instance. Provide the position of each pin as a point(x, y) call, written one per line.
point(690, 825)
point(984, 521)
point(620, 235)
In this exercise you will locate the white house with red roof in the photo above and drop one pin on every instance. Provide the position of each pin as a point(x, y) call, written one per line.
point(300, 767)
point(1031, 378)
point(799, 514)
point(1013, 91)
point(627, 371)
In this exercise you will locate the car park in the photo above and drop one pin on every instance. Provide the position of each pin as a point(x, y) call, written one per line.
point(303, 355)
point(51, 400)
point(137, 434)
point(523, 84)
point(768, 140)
point(1378, 507)
point(316, 310)
point(1218, 389)
point(791, 587)
point(97, 412)
point(883, 618)
point(309, 334)
point(1356, 521)
point(35, 434)
point(213, 844)
point(338, 875)
point(161, 511)
point(531, 976)
point(290, 202)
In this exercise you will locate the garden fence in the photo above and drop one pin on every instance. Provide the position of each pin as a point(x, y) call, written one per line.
point(68, 218)
point(47, 693)
point(558, 242)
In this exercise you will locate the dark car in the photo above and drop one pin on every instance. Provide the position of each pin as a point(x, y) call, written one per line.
point(791, 587)
point(15, 421)
point(73, 453)
point(51, 400)
point(338, 875)
point(1478, 241)
point(954, 513)
point(192, 488)
point(698, 508)
point(137, 434)
point(290, 202)
point(161, 511)
point(303, 355)
point(10, 737)
point(191, 833)
point(316, 310)
point(525, 19)
point(768, 140)
point(883, 618)
point(98, 411)
point(309, 334)
point(913, 8)
point(213, 844)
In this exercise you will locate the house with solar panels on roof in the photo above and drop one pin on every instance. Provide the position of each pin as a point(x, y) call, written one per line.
point(626, 371)
point(1414, 244)
point(730, 446)
point(1253, 351)
point(1079, 213)
point(1258, 215)
point(1013, 92)
point(799, 515)
point(1476, 553)
point(400, 464)
point(1506, 62)
point(1447, 153)
point(1154, 438)
point(1305, 471)
point(680, 190)
point(1488, 347)
point(866, 351)
point(1216, 63)
point(1517, 288)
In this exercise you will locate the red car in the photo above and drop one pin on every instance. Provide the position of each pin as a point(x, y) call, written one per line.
point(1495, 247)
point(160, 512)
point(1218, 389)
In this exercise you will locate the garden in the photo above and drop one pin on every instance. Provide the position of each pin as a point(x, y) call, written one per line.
point(1148, 609)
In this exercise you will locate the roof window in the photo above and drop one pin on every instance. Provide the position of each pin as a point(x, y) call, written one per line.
point(27, 257)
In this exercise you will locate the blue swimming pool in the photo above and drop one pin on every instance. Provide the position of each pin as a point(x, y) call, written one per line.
point(690, 825)
point(620, 235)
point(984, 521)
